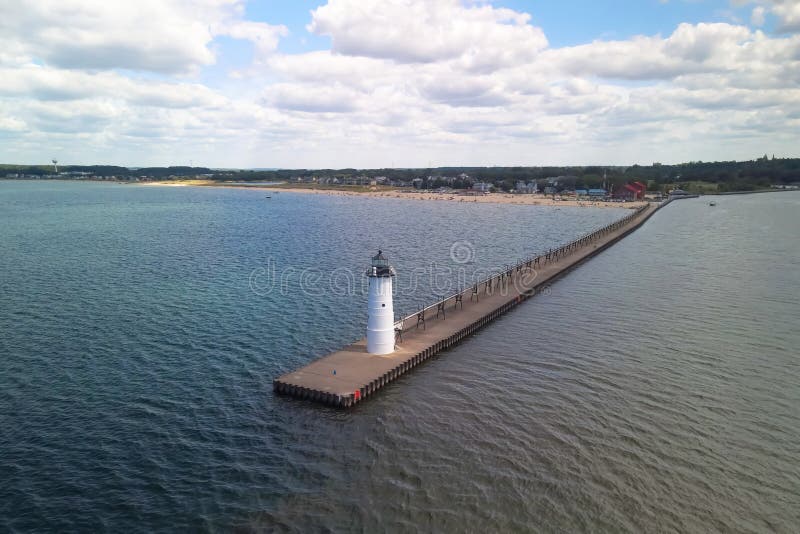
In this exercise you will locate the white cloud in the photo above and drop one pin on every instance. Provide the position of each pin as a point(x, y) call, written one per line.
point(166, 36)
point(408, 81)
point(481, 37)
point(458, 90)
point(43, 84)
point(146, 35)
point(327, 98)
point(690, 49)
point(263, 36)
point(788, 12)
point(757, 17)
point(323, 66)
point(11, 124)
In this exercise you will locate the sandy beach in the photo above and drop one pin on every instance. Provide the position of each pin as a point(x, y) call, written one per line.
point(492, 198)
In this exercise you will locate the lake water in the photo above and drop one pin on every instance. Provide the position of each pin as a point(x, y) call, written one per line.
point(655, 388)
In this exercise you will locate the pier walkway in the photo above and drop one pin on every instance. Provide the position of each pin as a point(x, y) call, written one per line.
point(351, 375)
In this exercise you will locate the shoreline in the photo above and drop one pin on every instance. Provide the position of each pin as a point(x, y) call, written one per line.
point(491, 198)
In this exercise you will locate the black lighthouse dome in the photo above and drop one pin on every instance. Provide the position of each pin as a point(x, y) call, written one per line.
point(380, 266)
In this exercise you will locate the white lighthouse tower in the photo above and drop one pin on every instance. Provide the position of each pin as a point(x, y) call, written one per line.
point(380, 324)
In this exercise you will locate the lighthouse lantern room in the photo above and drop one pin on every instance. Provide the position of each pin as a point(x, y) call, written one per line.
point(380, 323)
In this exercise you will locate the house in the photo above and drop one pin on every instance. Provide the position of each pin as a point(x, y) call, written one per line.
point(626, 192)
point(597, 193)
point(482, 187)
point(581, 193)
point(526, 188)
point(529, 188)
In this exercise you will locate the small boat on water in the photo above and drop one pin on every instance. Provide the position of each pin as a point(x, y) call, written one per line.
point(712, 203)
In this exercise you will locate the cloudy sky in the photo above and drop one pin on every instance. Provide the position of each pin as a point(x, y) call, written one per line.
point(367, 83)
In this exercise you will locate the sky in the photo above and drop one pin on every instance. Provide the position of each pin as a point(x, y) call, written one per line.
point(398, 83)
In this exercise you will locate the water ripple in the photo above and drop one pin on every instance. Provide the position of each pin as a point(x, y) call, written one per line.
point(655, 389)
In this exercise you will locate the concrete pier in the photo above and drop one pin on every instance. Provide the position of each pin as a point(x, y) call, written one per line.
point(358, 374)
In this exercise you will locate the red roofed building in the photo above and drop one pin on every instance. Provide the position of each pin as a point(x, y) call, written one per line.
point(634, 191)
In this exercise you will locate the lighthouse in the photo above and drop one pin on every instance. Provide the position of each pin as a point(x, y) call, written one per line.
point(380, 324)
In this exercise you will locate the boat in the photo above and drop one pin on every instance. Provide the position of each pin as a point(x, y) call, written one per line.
point(712, 203)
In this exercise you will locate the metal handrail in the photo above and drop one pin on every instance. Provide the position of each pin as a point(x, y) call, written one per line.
point(588, 236)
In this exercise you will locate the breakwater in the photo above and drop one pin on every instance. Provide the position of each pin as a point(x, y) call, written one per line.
point(349, 376)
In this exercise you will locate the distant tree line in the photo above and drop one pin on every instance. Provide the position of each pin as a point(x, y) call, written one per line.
point(721, 176)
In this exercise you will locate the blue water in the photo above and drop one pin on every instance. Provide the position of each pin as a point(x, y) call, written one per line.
point(654, 389)
point(142, 328)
